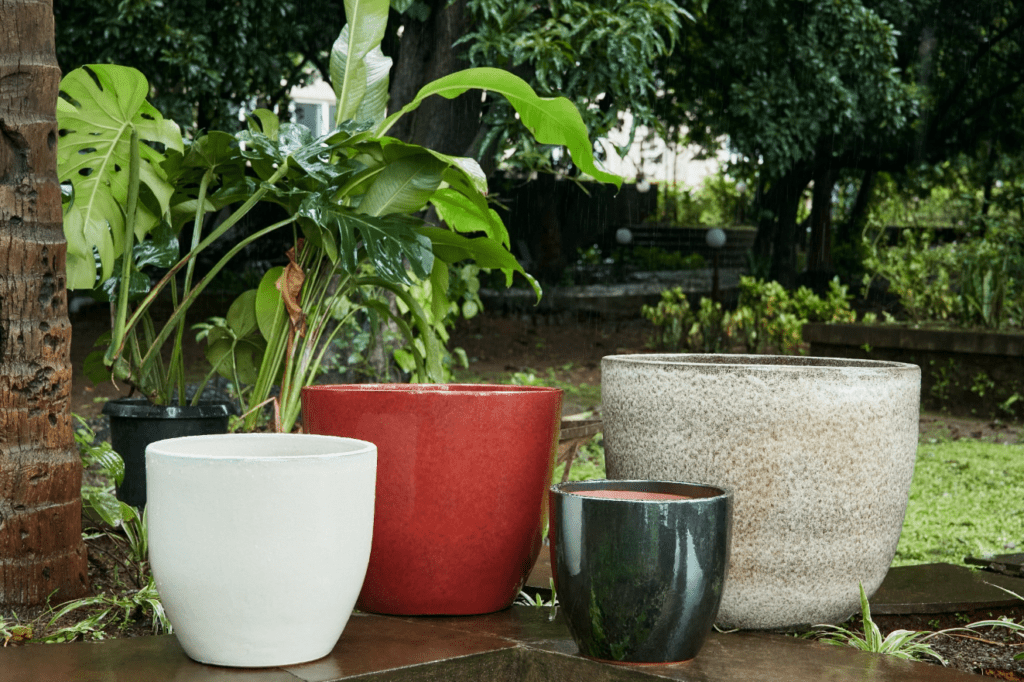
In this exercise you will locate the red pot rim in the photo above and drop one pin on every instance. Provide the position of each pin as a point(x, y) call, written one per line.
point(428, 389)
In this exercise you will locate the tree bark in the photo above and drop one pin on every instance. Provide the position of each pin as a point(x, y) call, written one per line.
point(776, 229)
point(783, 267)
point(426, 53)
point(41, 548)
point(819, 251)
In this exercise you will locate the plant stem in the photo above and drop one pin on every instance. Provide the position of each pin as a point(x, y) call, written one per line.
point(124, 286)
point(179, 312)
point(117, 342)
point(197, 229)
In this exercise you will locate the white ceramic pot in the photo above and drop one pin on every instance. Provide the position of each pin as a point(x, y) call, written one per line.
point(819, 453)
point(259, 542)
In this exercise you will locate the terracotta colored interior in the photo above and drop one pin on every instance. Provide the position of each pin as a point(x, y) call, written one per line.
point(629, 495)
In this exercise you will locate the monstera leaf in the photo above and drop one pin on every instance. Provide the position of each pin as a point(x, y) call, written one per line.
point(99, 108)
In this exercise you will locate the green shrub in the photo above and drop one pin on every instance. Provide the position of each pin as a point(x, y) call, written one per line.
point(768, 316)
point(976, 283)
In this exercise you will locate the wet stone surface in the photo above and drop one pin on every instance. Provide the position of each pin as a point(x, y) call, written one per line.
point(1007, 564)
point(522, 644)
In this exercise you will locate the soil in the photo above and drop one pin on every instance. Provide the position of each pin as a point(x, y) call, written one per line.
point(987, 651)
point(569, 350)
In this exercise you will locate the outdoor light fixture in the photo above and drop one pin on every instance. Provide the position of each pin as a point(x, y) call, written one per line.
point(715, 238)
point(624, 236)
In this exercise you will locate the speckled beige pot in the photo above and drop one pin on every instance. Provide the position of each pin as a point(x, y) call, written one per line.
point(819, 453)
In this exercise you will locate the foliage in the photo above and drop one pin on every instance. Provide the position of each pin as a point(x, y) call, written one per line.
point(106, 610)
point(956, 486)
point(653, 259)
point(905, 644)
point(978, 282)
point(602, 55)
point(709, 329)
point(100, 501)
point(778, 75)
point(354, 194)
point(135, 596)
point(799, 88)
point(594, 267)
point(587, 465)
point(204, 60)
point(125, 197)
point(719, 202)
point(767, 316)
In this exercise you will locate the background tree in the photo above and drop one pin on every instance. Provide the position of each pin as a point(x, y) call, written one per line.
point(806, 89)
point(794, 85)
point(203, 59)
point(602, 54)
point(41, 548)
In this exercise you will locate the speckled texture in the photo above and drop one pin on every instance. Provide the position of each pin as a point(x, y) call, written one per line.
point(818, 451)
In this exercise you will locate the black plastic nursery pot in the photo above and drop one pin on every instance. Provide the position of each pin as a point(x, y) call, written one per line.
point(135, 423)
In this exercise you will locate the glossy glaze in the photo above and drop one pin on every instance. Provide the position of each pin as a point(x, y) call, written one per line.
point(640, 580)
point(461, 488)
point(259, 542)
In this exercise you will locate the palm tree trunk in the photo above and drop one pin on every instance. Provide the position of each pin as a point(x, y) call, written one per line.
point(41, 548)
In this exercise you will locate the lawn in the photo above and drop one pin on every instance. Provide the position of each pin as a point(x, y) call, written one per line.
point(967, 498)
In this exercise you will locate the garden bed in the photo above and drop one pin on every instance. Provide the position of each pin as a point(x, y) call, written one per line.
point(963, 372)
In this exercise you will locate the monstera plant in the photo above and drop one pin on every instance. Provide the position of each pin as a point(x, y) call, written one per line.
point(353, 198)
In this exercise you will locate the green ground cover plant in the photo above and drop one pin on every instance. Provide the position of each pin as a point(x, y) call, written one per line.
point(967, 498)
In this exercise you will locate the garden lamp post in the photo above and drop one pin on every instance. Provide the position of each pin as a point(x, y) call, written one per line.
point(715, 238)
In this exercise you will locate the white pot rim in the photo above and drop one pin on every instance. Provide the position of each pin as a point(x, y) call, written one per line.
point(757, 363)
point(262, 447)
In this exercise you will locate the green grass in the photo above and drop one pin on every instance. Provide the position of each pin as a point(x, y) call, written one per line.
point(576, 394)
point(967, 498)
point(588, 463)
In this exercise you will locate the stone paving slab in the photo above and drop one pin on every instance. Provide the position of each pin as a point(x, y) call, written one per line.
point(1010, 564)
point(942, 588)
point(521, 644)
point(376, 643)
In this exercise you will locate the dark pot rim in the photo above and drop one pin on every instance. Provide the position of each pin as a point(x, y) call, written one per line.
point(754, 363)
point(140, 408)
point(682, 488)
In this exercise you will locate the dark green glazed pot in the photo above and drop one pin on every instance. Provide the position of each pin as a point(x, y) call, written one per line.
point(640, 566)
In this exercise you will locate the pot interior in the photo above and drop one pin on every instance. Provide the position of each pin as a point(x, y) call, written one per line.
point(651, 491)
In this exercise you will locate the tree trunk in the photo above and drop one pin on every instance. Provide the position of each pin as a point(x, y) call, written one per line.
point(776, 233)
point(819, 251)
point(853, 228)
point(41, 548)
point(426, 53)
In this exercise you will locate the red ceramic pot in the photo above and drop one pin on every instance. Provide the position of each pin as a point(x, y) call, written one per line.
point(462, 479)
